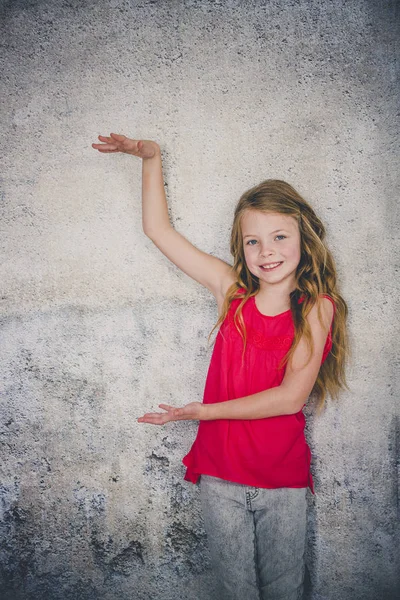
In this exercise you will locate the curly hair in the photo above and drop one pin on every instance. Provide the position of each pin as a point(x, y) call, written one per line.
point(315, 276)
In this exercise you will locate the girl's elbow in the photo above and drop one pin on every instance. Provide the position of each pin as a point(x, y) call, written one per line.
point(295, 403)
point(152, 234)
point(148, 232)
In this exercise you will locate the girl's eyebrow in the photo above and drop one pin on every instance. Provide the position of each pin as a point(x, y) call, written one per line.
point(272, 233)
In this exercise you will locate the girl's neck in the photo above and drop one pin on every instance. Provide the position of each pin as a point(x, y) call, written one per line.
point(274, 299)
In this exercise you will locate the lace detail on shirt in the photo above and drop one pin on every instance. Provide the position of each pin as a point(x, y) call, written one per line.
point(277, 342)
point(257, 338)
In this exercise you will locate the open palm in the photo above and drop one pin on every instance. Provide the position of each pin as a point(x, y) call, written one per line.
point(120, 143)
point(191, 412)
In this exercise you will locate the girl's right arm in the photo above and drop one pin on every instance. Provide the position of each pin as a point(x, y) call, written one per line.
point(213, 273)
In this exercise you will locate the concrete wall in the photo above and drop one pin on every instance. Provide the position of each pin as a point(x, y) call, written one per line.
point(97, 327)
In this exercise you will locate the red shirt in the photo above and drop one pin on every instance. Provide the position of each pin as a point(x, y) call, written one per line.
point(267, 453)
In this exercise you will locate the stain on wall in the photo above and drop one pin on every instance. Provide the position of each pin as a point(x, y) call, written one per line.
point(98, 328)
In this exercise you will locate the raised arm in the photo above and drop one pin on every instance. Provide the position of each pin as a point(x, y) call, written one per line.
point(213, 273)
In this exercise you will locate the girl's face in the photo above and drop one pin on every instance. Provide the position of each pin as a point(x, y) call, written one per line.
point(272, 248)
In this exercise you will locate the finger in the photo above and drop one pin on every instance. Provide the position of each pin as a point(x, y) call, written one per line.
point(108, 147)
point(105, 145)
point(154, 416)
point(104, 138)
point(150, 415)
point(167, 407)
point(153, 419)
point(126, 144)
point(118, 137)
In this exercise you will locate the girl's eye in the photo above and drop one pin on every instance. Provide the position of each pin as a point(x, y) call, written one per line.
point(250, 242)
point(280, 237)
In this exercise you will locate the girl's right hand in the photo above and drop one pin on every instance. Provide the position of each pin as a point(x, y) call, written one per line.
point(120, 143)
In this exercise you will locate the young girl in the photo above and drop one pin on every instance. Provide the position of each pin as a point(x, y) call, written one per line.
point(282, 337)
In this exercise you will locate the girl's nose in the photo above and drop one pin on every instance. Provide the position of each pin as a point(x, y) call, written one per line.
point(266, 251)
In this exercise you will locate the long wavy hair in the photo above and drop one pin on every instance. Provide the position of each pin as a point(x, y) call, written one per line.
point(315, 275)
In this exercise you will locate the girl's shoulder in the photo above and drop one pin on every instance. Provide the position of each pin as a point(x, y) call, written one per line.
point(331, 300)
point(303, 298)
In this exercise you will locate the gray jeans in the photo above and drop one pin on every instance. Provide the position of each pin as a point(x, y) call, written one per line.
point(256, 538)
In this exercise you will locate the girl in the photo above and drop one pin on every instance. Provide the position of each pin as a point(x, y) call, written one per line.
point(282, 337)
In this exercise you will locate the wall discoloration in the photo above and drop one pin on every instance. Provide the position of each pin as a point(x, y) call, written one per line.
point(185, 549)
point(97, 327)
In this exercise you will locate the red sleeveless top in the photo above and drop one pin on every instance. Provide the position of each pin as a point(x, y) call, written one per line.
point(267, 453)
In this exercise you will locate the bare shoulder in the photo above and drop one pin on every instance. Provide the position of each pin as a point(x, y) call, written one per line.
point(321, 314)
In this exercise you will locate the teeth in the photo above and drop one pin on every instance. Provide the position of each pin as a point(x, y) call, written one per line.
point(270, 266)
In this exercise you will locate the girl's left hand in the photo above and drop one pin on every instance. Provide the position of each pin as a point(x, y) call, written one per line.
point(194, 411)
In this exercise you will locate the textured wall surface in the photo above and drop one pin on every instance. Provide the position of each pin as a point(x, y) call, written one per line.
point(97, 327)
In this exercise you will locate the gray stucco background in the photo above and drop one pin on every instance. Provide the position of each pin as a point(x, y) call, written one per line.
point(98, 328)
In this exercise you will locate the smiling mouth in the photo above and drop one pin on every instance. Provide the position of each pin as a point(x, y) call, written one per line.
point(270, 266)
